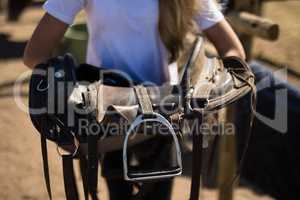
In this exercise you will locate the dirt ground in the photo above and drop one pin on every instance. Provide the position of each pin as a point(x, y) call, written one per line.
point(20, 156)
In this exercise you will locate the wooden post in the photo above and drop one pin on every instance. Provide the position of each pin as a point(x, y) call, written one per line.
point(3, 7)
point(227, 150)
point(253, 25)
point(227, 154)
point(245, 19)
point(251, 6)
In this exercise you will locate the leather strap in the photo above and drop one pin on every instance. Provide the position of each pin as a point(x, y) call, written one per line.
point(242, 72)
point(71, 190)
point(46, 165)
point(83, 171)
point(197, 136)
point(197, 161)
point(186, 75)
point(93, 162)
point(143, 100)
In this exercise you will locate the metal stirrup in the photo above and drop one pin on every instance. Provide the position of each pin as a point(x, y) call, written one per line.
point(151, 175)
point(148, 115)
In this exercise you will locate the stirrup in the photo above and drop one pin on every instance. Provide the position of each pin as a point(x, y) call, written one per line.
point(151, 174)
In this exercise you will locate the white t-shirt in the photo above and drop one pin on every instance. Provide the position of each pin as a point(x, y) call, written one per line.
point(123, 34)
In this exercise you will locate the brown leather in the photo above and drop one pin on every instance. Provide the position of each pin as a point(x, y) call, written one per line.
point(211, 87)
point(71, 190)
point(44, 150)
point(217, 87)
point(196, 161)
point(92, 166)
point(106, 99)
point(241, 71)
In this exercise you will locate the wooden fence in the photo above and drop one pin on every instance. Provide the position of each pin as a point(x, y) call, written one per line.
point(246, 18)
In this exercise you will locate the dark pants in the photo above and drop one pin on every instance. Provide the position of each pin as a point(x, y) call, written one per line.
point(149, 153)
point(120, 189)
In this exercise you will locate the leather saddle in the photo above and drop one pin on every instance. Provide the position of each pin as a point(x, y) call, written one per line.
point(70, 103)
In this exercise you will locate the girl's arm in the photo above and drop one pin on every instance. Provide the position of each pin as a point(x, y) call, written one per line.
point(44, 40)
point(225, 40)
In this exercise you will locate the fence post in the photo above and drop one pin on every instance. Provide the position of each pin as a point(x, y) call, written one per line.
point(227, 154)
point(227, 148)
point(251, 6)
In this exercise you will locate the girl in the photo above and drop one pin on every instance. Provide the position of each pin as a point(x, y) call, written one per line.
point(138, 37)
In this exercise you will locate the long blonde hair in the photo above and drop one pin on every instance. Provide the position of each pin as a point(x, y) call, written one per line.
point(175, 21)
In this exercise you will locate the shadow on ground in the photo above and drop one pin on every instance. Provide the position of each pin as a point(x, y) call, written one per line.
point(10, 49)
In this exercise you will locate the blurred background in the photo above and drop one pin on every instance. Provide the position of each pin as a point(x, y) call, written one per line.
point(270, 31)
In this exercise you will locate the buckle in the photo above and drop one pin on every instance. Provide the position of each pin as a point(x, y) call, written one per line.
point(134, 175)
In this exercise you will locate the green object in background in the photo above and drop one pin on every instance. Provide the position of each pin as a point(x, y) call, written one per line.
point(75, 42)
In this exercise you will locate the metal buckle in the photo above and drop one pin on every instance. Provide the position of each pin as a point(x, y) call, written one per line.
point(66, 150)
point(151, 175)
